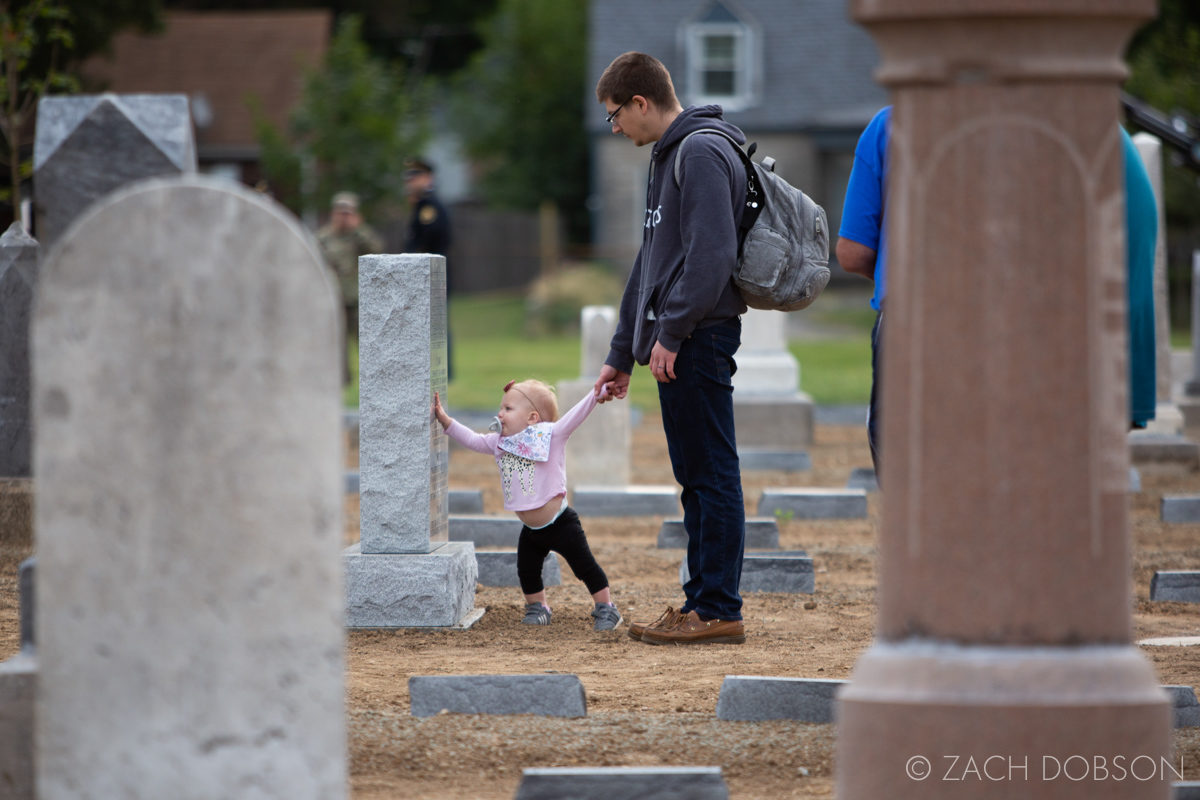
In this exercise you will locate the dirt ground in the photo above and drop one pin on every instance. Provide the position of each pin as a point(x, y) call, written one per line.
point(648, 705)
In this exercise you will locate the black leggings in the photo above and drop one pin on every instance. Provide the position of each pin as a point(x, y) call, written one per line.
point(565, 537)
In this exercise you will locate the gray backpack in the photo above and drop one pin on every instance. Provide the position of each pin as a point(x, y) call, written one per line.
point(783, 244)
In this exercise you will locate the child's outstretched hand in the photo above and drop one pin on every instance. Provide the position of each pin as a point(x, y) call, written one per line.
point(440, 413)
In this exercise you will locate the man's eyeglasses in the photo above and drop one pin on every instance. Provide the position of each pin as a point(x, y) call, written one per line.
point(609, 119)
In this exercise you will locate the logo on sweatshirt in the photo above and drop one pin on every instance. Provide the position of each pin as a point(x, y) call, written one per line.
point(653, 217)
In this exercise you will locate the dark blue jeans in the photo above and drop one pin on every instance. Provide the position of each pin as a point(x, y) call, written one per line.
point(697, 415)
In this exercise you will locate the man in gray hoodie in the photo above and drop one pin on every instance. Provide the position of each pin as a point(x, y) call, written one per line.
point(680, 315)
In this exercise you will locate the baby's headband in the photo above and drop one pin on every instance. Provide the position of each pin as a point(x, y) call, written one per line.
point(513, 385)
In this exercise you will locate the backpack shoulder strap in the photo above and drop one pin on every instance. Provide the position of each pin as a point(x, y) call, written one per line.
point(754, 198)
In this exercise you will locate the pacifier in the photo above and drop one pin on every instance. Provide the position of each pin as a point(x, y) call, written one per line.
point(495, 425)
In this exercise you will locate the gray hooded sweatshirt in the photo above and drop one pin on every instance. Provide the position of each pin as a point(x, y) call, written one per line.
point(682, 276)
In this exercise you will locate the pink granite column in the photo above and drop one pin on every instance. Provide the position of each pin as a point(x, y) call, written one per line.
point(1003, 665)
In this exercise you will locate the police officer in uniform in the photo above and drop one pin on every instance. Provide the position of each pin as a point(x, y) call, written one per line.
point(429, 224)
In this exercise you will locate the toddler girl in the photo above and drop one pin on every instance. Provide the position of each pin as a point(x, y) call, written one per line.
point(530, 449)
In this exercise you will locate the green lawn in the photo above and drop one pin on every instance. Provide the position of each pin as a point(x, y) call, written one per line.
point(491, 348)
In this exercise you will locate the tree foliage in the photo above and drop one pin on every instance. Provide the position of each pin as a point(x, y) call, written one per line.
point(519, 108)
point(1164, 59)
point(41, 44)
point(355, 124)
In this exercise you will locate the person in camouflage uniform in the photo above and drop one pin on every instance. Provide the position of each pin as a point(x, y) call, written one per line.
point(343, 239)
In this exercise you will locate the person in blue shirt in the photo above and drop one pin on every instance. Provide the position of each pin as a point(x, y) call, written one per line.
point(862, 250)
point(862, 244)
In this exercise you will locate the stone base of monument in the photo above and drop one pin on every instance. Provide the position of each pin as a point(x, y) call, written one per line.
point(1163, 452)
point(783, 423)
point(609, 783)
point(913, 703)
point(499, 568)
point(625, 501)
point(1185, 706)
point(788, 571)
point(18, 689)
point(16, 511)
point(762, 533)
point(1175, 586)
point(485, 530)
point(412, 590)
point(749, 698)
point(779, 460)
point(545, 695)
point(1181, 508)
point(813, 503)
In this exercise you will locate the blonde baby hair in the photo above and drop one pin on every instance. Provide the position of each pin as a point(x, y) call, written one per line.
point(540, 395)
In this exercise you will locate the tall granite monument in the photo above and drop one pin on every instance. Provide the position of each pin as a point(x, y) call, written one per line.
point(1004, 590)
point(404, 572)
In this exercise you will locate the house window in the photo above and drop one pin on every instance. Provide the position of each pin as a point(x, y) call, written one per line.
point(721, 54)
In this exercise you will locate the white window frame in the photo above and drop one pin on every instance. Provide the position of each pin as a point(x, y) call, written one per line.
point(745, 58)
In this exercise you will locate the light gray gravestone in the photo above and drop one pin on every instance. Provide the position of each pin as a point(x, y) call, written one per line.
point(622, 783)
point(18, 278)
point(403, 455)
point(187, 404)
point(774, 418)
point(750, 698)
point(1175, 586)
point(787, 571)
point(486, 530)
point(404, 572)
point(89, 145)
point(1180, 508)
point(499, 568)
point(1185, 706)
point(598, 452)
point(464, 501)
point(625, 501)
point(863, 478)
point(813, 503)
point(546, 695)
point(762, 533)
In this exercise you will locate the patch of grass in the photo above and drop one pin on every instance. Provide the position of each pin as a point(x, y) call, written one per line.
point(491, 347)
point(835, 371)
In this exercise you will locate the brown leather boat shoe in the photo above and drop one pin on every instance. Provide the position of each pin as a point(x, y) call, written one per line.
point(693, 630)
point(665, 620)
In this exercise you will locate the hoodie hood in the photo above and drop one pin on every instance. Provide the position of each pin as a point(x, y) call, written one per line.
point(693, 118)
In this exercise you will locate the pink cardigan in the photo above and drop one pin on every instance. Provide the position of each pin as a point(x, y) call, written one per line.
point(529, 484)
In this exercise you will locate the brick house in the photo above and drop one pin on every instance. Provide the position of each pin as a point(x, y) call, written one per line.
point(795, 75)
point(225, 62)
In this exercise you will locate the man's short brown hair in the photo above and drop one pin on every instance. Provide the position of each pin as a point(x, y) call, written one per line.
point(636, 73)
